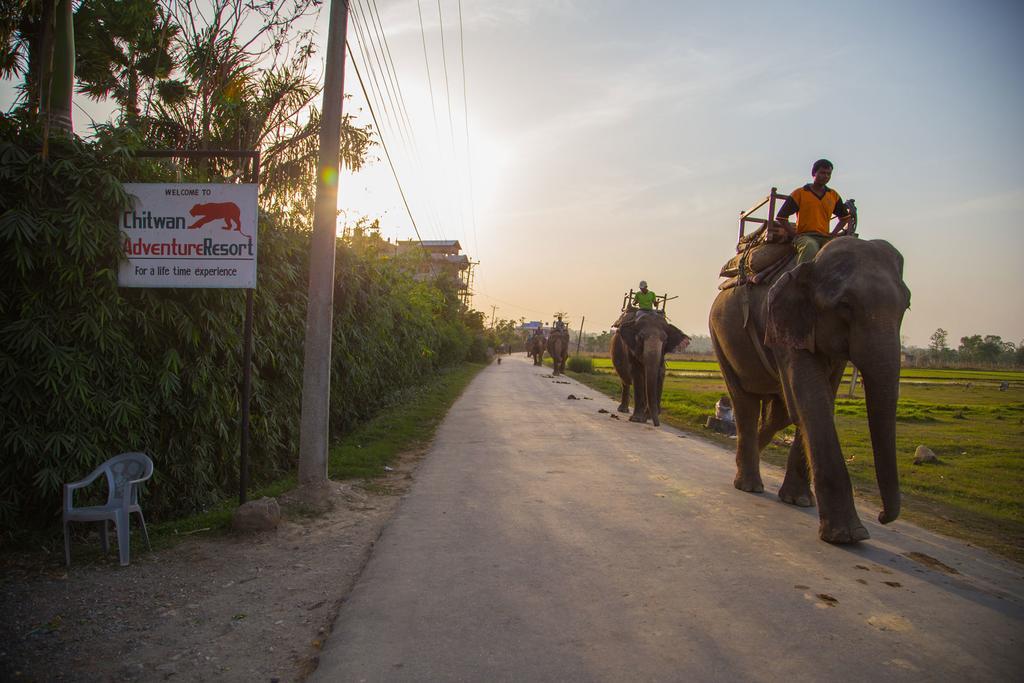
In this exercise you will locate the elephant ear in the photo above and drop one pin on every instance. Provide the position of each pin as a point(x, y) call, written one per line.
point(675, 337)
point(628, 335)
point(791, 310)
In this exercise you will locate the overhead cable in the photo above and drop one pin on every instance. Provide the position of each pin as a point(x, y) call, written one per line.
point(465, 111)
point(403, 108)
point(362, 86)
point(363, 40)
point(451, 125)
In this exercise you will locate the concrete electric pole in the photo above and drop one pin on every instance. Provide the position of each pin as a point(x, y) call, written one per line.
point(316, 376)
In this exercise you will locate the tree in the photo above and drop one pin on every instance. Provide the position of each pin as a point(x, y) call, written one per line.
point(38, 44)
point(124, 51)
point(988, 349)
point(243, 83)
point(598, 342)
point(939, 340)
point(21, 38)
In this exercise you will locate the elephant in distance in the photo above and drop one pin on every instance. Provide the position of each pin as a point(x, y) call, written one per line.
point(638, 351)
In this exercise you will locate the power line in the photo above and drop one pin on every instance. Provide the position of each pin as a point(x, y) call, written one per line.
point(465, 110)
point(448, 95)
point(362, 86)
point(363, 25)
point(393, 72)
point(365, 44)
point(430, 81)
point(426, 60)
point(508, 303)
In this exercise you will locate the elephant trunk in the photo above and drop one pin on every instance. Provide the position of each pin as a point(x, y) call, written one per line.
point(881, 392)
point(652, 379)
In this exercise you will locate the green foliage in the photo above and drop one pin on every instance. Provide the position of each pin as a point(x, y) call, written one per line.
point(88, 369)
point(580, 364)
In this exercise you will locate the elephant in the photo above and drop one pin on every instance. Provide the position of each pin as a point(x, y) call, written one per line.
point(782, 349)
point(638, 351)
point(558, 348)
point(535, 348)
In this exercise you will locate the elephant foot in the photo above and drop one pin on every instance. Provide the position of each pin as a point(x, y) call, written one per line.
point(844, 534)
point(795, 494)
point(750, 484)
point(623, 408)
point(637, 418)
point(655, 421)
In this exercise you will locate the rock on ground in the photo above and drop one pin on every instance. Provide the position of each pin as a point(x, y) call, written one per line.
point(924, 455)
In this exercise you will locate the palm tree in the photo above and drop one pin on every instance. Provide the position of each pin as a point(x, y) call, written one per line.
point(232, 102)
point(123, 51)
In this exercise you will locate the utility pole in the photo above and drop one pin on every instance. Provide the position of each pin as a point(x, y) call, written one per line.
point(493, 309)
point(316, 374)
point(579, 339)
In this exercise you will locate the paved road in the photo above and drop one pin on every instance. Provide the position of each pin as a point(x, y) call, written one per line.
point(545, 541)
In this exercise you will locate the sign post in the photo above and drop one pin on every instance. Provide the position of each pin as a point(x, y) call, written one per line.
point(199, 236)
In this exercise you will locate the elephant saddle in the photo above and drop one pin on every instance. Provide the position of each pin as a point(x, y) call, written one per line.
point(628, 317)
point(755, 263)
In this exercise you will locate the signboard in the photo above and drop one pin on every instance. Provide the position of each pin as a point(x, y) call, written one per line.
point(189, 235)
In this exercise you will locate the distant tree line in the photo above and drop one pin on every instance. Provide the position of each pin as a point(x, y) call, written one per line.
point(501, 334)
point(983, 350)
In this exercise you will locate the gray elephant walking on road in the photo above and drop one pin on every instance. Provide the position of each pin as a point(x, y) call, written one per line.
point(638, 354)
point(783, 352)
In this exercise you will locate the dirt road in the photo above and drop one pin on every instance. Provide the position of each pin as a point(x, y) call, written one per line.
point(545, 540)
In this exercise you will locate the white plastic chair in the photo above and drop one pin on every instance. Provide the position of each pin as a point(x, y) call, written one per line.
point(124, 472)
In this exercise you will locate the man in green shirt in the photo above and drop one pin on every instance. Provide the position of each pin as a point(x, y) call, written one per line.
point(645, 298)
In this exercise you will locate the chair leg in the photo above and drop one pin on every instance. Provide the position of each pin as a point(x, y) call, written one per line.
point(105, 536)
point(123, 539)
point(67, 545)
point(145, 534)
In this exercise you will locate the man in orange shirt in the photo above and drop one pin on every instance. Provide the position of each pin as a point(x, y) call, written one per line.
point(814, 204)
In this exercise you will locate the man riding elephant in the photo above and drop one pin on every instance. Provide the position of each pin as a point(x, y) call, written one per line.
point(783, 345)
point(638, 351)
point(535, 346)
point(814, 204)
point(645, 299)
point(558, 345)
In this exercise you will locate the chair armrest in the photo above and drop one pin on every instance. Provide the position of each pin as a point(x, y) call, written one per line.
point(82, 483)
point(129, 489)
point(93, 476)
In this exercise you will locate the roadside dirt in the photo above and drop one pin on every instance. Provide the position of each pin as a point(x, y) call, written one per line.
point(228, 608)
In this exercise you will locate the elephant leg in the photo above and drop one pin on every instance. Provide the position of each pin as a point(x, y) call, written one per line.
point(814, 404)
point(774, 418)
point(746, 411)
point(640, 413)
point(624, 398)
point(796, 487)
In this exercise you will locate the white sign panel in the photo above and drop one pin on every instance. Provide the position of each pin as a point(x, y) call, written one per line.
point(185, 235)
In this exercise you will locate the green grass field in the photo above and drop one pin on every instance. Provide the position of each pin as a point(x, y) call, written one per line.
point(976, 430)
point(710, 367)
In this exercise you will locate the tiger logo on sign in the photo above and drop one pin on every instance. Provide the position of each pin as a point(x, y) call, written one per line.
point(226, 211)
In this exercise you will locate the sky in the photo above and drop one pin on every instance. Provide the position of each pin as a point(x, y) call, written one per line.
point(593, 144)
